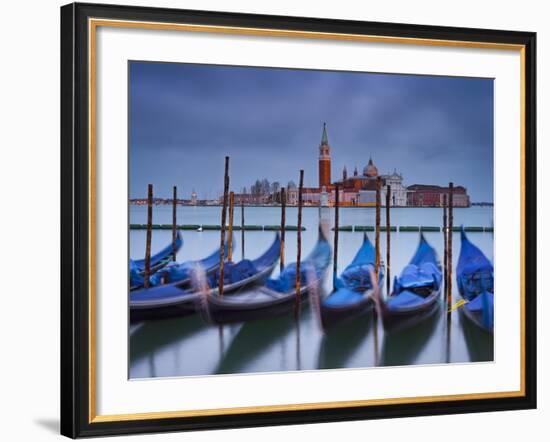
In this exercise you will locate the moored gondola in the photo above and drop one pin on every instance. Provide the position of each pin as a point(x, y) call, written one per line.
point(180, 297)
point(175, 272)
point(181, 272)
point(278, 296)
point(416, 291)
point(475, 280)
point(352, 289)
point(158, 261)
point(162, 256)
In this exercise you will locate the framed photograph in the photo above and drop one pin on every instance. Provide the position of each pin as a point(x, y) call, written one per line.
point(274, 220)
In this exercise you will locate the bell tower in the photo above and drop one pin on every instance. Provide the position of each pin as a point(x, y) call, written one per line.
point(324, 160)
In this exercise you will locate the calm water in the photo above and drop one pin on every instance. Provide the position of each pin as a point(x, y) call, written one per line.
point(188, 346)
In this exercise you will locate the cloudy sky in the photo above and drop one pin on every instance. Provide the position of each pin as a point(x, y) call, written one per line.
point(185, 118)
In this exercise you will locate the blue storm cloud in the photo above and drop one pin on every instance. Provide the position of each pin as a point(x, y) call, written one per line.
point(184, 118)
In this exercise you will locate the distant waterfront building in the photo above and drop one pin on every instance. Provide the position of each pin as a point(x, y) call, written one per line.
point(366, 197)
point(354, 190)
point(398, 192)
point(251, 199)
point(194, 200)
point(366, 181)
point(422, 195)
point(324, 197)
point(292, 196)
point(360, 190)
point(311, 196)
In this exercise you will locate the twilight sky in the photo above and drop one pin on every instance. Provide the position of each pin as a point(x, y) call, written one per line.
point(185, 118)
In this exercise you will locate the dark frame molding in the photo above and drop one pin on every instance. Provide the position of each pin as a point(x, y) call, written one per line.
point(75, 220)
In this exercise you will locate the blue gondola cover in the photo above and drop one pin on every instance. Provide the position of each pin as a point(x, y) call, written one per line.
point(475, 282)
point(422, 272)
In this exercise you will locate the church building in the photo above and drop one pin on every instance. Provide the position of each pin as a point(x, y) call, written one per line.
point(360, 189)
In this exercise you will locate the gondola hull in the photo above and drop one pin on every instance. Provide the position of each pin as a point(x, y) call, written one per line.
point(352, 298)
point(160, 259)
point(477, 319)
point(475, 283)
point(416, 293)
point(181, 299)
point(187, 302)
point(331, 316)
point(394, 321)
point(277, 297)
point(272, 304)
point(173, 311)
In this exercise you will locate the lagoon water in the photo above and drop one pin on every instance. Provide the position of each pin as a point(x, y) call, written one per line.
point(187, 346)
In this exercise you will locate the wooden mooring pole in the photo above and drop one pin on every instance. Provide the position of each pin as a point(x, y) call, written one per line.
point(147, 270)
point(222, 227)
point(230, 232)
point(377, 266)
point(377, 231)
point(174, 222)
point(336, 228)
point(298, 346)
point(283, 229)
point(450, 250)
point(445, 231)
point(299, 243)
point(388, 233)
point(242, 228)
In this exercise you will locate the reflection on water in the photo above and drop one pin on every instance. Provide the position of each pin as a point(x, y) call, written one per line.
point(338, 347)
point(187, 346)
point(253, 341)
point(405, 347)
point(154, 335)
point(478, 342)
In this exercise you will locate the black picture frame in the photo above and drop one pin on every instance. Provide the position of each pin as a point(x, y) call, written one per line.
point(75, 221)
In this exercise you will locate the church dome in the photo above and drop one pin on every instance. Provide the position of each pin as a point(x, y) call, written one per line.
point(370, 169)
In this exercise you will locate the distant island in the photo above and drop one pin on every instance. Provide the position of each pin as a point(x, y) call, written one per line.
point(356, 189)
point(483, 204)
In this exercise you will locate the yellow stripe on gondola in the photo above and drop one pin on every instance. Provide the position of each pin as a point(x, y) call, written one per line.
point(457, 305)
